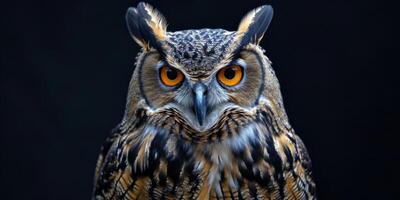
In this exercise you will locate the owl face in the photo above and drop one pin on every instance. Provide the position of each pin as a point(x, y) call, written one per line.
point(198, 73)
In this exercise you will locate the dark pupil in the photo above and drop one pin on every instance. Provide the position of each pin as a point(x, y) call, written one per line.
point(172, 74)
point(229, 73)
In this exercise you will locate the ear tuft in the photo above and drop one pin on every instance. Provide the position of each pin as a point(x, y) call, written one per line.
point(147, 26)
point(254, 24)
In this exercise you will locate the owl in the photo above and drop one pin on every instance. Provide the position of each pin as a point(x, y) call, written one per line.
point(204, 119)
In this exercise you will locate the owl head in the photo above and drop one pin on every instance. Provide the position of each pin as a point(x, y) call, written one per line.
point(200, 76)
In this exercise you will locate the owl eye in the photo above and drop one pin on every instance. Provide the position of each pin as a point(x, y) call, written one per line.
point(170, 76)
point(230, 75)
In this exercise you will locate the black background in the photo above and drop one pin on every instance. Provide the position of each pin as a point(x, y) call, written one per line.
point(66, 65)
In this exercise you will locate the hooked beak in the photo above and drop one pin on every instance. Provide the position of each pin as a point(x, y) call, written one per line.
point(200, 105)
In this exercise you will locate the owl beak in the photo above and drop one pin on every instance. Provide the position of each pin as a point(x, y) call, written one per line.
point(200, 105)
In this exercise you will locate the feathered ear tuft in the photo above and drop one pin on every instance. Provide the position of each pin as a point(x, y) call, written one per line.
point(147, 26)
point(254, 24)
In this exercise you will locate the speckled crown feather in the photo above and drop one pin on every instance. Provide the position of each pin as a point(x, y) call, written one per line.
point(199, 49)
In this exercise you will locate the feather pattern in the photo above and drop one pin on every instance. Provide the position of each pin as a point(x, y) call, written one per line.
point(147, 26)
point(247, 159)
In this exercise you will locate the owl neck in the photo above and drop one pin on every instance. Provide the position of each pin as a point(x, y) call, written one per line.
point(237, 134)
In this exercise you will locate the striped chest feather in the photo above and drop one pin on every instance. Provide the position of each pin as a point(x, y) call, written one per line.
point(152, 163)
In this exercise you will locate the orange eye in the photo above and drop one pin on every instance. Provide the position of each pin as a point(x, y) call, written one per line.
point(230, 75)
point(170, 76)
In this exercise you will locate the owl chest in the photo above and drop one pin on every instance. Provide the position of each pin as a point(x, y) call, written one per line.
point(165, 167)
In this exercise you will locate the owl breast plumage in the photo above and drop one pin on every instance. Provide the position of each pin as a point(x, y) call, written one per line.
point(204, 119)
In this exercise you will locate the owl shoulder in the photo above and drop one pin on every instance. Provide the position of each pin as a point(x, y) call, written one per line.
point(303, 153)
